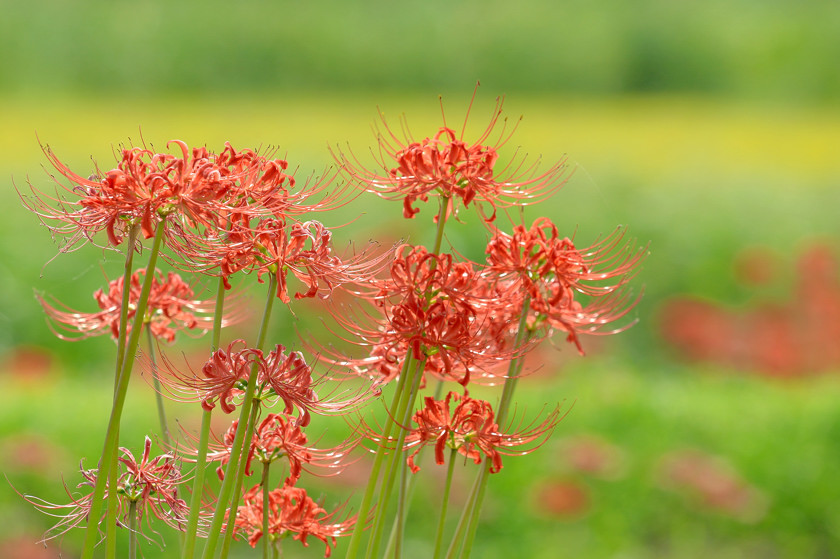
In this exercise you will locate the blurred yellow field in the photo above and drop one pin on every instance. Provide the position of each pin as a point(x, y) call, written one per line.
point(652, 137)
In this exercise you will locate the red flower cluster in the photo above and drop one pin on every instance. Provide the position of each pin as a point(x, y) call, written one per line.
point(195, 188)
point(470, 428)
point(280, 375)
point(281, 435)
point(290, 511)
point(171, 308)
point(451, 168)
point(549, 270)
point(223, 213)
point(462, 319)
point(151, 484)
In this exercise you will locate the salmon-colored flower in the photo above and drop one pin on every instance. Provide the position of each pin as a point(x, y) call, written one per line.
point(172, 307)
point(443, 311)
point(280, 375)
point(281, 436)
point(471, 429)
point(151, 484)
point(447, 166)
point(551, 271)
point(193, 191)
point(290, 511)
point(276, 246)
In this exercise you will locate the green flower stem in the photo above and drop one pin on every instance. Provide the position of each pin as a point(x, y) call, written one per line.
point(240, 479)
point(397, 402)
point(132, 529)
point(218, 313)
point(402, 505)
point(111, 523)
point(111, 508)
point(412, 480)
point(515, 368)
point(455, 544)
point(161, 410)
point(445, 504)
point(198, 486)
point(444, 206)
point(373, 480)
point(239, 438)
point(109, 450)
point(468, 523)
point(204, 439)
point(126, 294)
point(404, 413)
point(266, 537)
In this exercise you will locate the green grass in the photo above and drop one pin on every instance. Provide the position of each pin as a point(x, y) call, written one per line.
point(781, 438)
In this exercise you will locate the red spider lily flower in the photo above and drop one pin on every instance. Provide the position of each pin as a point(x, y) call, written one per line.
point(171, 308)
point(151, 484)
point(442, 334)
point(443, 311)
point(471, 429)
point(551, 270)
point(280, 375)
point(279, 436)
point(195, 189)
point(291, 511)
point(275, 246)
point(222, 377)
point(448, 166)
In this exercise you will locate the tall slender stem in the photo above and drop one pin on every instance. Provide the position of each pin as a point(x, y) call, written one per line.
point(445, 504)
point(444, 207)
point(111, 498)
point(404, 413)
point(161, 410)
point(402, 506)
point(265, 510)
point(468, 523)
point(240, 479)
point(204, 438)
point(412, 481)
point(125, 302)
point(238, 438)
point(112, 434)
point(132, 529)
point(373, 480)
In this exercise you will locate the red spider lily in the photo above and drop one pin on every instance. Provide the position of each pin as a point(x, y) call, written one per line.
point(222, 377)
point(443, 311)
point(551, 270)
point(171, 308)
point(280, 375)
point(151, 484)
point(415, 271)
point(451, 341)
point(275, 246)
point(291, 511)
point(447, 165)
point(471, 429)
point(278, 436)
point(194, 189)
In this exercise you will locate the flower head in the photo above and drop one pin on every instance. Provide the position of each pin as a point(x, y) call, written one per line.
point(550, 270)
point(470, 428)
point(151, 484)
point(193, 192)
point(171, 307)
point(280, 436)
point(447, 166)
point(290, 511)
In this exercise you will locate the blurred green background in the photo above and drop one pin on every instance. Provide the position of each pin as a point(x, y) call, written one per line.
point(710, 129)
